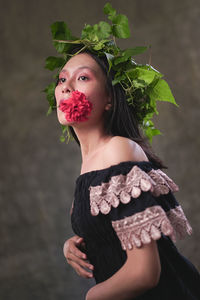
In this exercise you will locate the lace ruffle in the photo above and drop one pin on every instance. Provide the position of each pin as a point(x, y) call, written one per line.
point(121, 188)
point(142, 227)
point(179, 222)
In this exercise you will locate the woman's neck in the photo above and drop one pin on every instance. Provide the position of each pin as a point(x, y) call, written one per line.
point(91, 141)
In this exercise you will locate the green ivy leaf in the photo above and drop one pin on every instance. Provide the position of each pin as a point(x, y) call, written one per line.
point(140, 74)
point(148, 127)
point(151, 132)
point(90, 32)
point(149, 67)
point(60, 31)
point(109, 10)
point(87, 32)
point(109, 59)
point(53, 62)
point(97, 32)
point(62, 138)
point(60, 47)
point(128, 53)
point(119, 78)
point(50, 88)
point(120, 27)
point(98, 46)
point(104, 30)
point(139, 83)
point(162, 92)
point(49, 111)
point(50, 91)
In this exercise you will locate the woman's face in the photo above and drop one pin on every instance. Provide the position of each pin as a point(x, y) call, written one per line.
point(82, 73)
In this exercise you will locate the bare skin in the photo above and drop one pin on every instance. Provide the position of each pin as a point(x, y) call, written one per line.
point(98, 151)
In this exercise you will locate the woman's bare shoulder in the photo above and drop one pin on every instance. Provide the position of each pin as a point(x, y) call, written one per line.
point(120, 149)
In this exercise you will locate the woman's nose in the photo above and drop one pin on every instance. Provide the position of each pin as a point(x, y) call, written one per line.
point(66, 89)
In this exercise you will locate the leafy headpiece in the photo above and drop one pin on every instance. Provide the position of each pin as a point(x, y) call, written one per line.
point(142, 84)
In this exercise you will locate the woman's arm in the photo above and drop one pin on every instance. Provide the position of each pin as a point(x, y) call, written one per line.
point(140, 273)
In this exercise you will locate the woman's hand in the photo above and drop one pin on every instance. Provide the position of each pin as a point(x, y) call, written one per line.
point(76, 258)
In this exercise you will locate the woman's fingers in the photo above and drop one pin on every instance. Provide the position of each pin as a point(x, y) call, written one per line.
point(80, 271)
point(81, 262)
point(76, 258)
point(71, 246)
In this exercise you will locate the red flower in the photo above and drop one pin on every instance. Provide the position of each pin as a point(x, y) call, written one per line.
point(77, 108)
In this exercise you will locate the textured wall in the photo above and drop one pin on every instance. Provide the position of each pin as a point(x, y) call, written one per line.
point(38, 172)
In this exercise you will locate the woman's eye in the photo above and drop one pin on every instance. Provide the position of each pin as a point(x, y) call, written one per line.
point(61, 80)
point(83, 78)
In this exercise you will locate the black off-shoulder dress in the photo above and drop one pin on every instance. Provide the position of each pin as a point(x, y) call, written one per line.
point(125, 206)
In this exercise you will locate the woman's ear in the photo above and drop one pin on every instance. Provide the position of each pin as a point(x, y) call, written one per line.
point(108, 106)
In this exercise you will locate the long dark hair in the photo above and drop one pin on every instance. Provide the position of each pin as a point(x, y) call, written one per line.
point(120, 120)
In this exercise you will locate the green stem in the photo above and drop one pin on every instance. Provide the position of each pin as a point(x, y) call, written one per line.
point(84, 47)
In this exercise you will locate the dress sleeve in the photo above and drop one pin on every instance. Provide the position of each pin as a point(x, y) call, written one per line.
point(141, 206)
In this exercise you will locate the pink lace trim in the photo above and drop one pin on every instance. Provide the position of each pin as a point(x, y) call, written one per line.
point(179, 222)
point(163, 183)
point(142, 227)
point(121, 188)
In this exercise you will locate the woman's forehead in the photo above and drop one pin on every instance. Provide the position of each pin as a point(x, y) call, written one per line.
point(80, 60)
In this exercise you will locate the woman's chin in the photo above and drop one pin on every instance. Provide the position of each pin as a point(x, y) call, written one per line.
point(62, 120)
point(66, 123)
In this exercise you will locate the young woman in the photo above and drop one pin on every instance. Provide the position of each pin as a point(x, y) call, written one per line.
point(124, 213)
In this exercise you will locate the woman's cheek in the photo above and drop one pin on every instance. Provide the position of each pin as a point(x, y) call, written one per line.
point(56, 94)
point(61, 118)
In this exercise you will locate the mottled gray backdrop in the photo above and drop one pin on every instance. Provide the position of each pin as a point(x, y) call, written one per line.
point(38, 172)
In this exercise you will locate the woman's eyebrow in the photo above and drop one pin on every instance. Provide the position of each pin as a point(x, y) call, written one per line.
point(82, 67)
